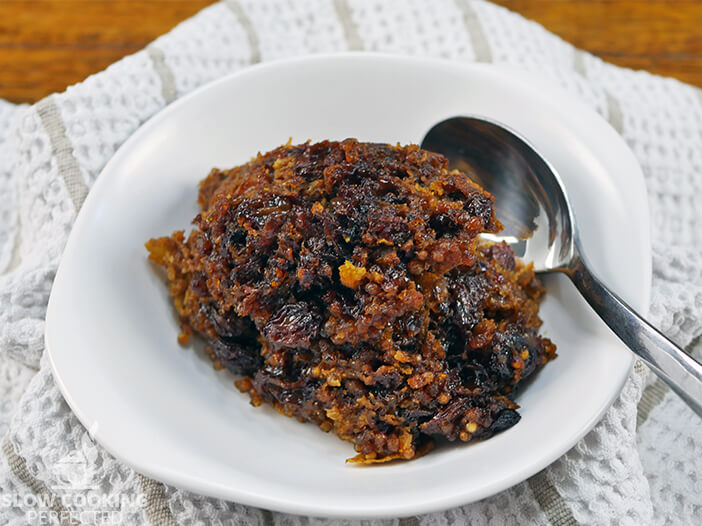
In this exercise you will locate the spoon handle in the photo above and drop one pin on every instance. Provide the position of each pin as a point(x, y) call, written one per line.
point(673, 365)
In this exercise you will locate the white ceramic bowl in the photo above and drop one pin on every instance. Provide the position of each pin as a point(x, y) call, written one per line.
point(111, 331)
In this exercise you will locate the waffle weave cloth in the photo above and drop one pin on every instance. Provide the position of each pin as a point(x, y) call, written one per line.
point(641, 465)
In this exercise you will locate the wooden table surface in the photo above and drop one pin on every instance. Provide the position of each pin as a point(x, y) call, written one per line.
point(46, 45)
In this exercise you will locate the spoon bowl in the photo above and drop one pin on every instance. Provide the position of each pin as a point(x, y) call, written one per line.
point(540, 227)
point(530, 199)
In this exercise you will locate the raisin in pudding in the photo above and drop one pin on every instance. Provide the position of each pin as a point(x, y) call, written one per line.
point(346, 284)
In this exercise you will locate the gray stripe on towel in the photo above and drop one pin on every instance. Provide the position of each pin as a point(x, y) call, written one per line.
point(15, 257)
point(654, 393)
point(552, 504)
point(62, 150)
point(476, 32)
point(18, 466)
point(248, 27)
point(343, 12)
point(652, 396)
point(698, 91)
point(614, 113)
point(157, 510)
point(164, 72)
point(579, 62)
point(267, 518)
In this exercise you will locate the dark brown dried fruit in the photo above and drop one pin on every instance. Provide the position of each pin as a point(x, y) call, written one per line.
point(506, 419)
point(294, 325)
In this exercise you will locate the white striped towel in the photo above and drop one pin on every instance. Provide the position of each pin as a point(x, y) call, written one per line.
point(636, 467)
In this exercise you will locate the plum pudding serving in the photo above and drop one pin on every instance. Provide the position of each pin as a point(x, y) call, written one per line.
point(346, 284)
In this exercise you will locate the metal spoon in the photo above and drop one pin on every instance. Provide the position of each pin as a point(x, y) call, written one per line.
point(540, 227)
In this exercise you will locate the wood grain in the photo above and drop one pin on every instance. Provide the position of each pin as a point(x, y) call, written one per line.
point(46, 45)
point(661, 36)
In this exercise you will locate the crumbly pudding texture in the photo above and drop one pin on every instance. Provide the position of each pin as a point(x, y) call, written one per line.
point(346, 284)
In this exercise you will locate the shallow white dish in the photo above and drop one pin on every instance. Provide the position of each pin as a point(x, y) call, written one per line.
point(111, 332)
